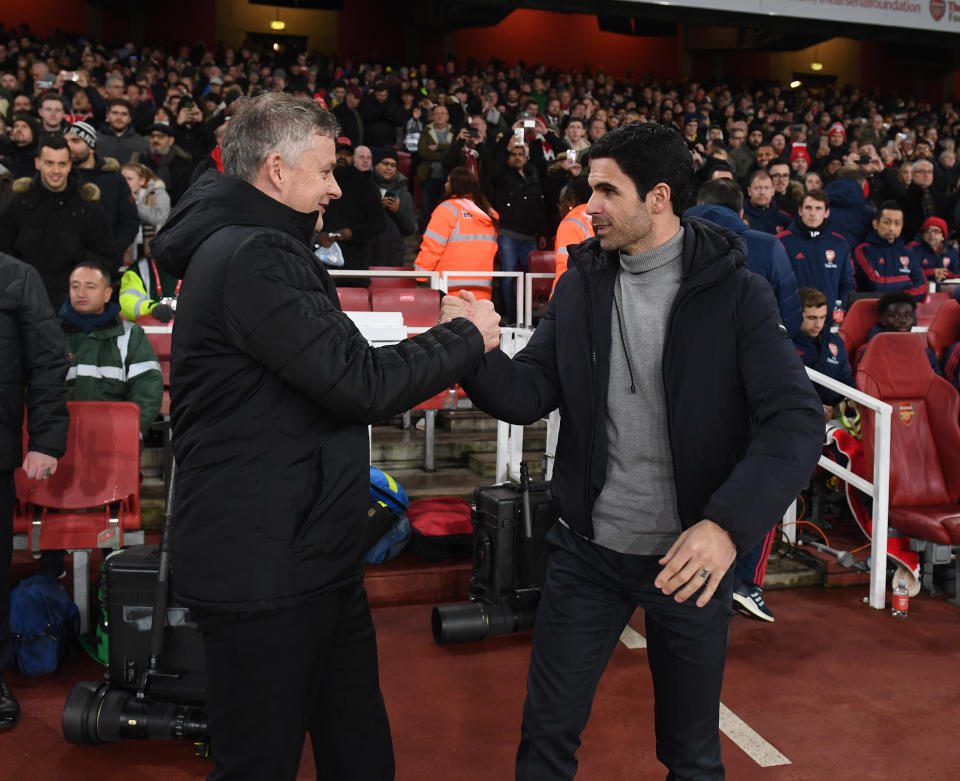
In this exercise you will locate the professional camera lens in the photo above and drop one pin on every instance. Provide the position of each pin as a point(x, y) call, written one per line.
point(463, 622)
point(101, 714)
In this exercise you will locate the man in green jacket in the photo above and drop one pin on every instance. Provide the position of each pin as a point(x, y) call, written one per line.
point(110, 358)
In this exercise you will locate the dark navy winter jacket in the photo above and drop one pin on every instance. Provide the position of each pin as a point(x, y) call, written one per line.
point(744, 421)
point(771, 219)
point(851, 215)
point(884, 267)
point(827, 355)
point(765, 256)
point(930, 261)
point(821, 260)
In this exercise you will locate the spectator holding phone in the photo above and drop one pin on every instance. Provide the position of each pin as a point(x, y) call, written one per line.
point(388, 249)
point(472, 149)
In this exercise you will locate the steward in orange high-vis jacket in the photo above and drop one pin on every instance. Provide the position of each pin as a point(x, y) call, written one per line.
point(576, 225)
point(461, 236)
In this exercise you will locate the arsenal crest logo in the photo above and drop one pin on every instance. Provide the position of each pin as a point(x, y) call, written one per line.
point(937, 9)
point(906, 410)
point(830, 255)
point(833, 349)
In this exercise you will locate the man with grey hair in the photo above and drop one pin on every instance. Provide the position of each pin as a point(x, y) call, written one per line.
point(273, 389)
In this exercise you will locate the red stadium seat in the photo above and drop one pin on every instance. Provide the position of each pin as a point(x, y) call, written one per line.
point(542, 262)
point(924, 439)
point(403, 162)
point(377, 283)
point(354, 299)
point(860, 318)
point(420, 306)
point(945, 328)
point(927, 310)
point(93, 499)
point(160, 336)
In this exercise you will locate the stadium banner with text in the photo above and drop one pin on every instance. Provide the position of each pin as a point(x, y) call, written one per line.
point(935, 15)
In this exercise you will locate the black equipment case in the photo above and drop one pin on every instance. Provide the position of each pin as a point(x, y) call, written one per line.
point(131, 583)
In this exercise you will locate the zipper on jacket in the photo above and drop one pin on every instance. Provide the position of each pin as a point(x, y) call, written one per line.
point(595, 381)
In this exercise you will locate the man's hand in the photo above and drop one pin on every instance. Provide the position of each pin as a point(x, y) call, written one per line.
point(324, 240)
point(391, 204)
point(705, 547)
point(346, 234)
point(828, 412)
point(39, 466)
point(940, 274)
point(480, 313)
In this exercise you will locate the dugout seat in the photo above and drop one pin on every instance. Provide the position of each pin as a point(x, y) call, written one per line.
point(93, 499)
point(160, 336)
point(859, 319)
point(354, 299)
point(420, 306)
point(945, 328)
point(927, 310)
point(403, 162)
point(924, 438)
point(541, 262)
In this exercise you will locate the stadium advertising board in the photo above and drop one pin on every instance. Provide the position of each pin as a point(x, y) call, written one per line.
point(935, 15)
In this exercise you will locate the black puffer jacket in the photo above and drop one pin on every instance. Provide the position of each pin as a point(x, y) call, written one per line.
point(745, 422)
point(55, 231)
point(115, 198)
point(33, 367)
point(272, 390)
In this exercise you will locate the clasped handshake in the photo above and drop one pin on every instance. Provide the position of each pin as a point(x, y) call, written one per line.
point(480, 313)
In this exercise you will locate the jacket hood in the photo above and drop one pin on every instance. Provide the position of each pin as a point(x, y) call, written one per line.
point(874, 238)
point(213, 202)
point(707, 248)
point(718, 215)
point(845, 192)
point(32, 186)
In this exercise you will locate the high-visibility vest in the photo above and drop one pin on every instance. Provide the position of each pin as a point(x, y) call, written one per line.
point(573, 229)
point(460, 237)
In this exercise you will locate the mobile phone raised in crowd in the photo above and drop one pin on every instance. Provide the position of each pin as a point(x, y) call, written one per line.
point(518, 134)
point(392, 194)
point(474, 133)
point(571, 155)
point(529, 123)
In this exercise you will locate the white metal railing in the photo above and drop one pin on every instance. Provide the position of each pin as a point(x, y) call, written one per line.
point(528, 297)
point(446, 276)
point(879, 489)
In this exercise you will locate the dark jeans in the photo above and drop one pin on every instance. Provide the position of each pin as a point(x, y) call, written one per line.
point(276, 675)
point(7, 493)
point(589, 596)
point(514, 254)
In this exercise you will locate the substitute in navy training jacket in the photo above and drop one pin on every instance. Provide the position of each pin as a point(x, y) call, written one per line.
point(826, 354)
point(726, 355)
point(821, 259)
point(886, 266)
point(770, 219)
point(272, 390)
point(765, 256)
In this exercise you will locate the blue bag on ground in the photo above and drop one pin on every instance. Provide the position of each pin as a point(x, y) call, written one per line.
point(387, 519)
point(44, 621)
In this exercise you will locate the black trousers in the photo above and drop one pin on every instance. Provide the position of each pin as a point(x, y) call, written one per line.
point(7, 494)
point(589, 596)
point(274, 676)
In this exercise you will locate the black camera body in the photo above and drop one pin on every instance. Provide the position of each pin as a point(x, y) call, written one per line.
point(510, 559)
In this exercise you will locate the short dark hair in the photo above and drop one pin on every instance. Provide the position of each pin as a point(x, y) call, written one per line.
point(897, 297)
point(721, 192)
point(650, 153)
point(889, 206)
point(52, 142)
point(120, 102)
point(96, 265)
point(759, 173)
point(817, 195)
point(49, 95)
point(852, 173)
point(579, 189)
point(810, 297)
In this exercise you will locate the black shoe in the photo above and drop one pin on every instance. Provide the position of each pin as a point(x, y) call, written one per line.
point(9, 707)
point(748, 601)
point(53, 563)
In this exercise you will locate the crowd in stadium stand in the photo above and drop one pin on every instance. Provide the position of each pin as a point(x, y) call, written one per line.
point(865, 177)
